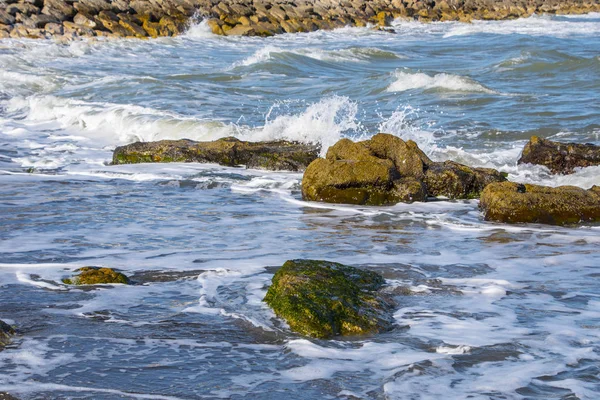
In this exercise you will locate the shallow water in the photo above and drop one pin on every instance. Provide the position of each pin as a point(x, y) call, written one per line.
point(499, 311)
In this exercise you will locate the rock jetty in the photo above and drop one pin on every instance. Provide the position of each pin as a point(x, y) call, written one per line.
point(386, 170)
point(274, 155)
point(511, 202)
point(70, 19)
point(560, 158)
point(324, 299)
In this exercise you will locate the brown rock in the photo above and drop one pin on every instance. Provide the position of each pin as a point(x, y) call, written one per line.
point(276, 155)
point(457, 181)
point(560, 158)
point(511, 202)
point(84, 20)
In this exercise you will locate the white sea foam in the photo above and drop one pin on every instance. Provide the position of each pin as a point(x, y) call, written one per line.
point(104, 124)
point(532, 26)
point(442, 81)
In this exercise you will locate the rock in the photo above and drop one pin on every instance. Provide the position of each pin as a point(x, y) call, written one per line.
point(96, 276)
point(276, 155)
point(385, 170)
point(40, 21)
point(79, 30)
point(560, 158)
point(457, 181)
point(59, 9)
point(368, 182)
point(407, 157)
point(84, 20)
point(324, 299)
point(6, 332)
point(511, 202)
point(6, 396)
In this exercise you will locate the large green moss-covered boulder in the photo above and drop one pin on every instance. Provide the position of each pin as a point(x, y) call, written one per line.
point(323, 299)
point(560, 158)
point(97, 276)
point(6, 332)
point(386, 170)
point(274, 155)
point(513, 202)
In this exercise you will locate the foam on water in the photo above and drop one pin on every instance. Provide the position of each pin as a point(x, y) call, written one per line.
point(533, 26)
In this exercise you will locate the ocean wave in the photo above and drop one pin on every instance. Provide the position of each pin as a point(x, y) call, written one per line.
point(443, 81)
point(101, 125)
point(352, 54)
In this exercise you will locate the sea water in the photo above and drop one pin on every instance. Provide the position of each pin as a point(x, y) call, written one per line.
point(496, 311)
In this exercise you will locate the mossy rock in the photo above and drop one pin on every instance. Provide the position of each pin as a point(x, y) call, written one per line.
point(324, 299)
point(386, 170)
point(273, 155)
point(6, 332)
point(458, 181)
point(97, 276)
point(511, 202)
point(560, 158)
point(407, 157)
point(367, 182)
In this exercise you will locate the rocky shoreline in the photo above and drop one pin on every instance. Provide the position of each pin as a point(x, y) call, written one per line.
point(70, 19)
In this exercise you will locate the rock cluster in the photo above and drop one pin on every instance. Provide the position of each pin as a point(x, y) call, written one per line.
point(275, 155)
point(386, 170)
point(560, 158)
point(96, 276)
point(152, 18)
point(511, 202)
point(323, 299)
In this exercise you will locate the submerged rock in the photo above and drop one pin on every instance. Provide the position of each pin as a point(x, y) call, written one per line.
point(324, 299)
point(274, 155)
point(386, 170)
point(560, 158)
point(96, 276)
point(6, 332)
point(513, 202)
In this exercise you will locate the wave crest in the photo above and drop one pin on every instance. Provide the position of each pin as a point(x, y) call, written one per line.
point(443, 81)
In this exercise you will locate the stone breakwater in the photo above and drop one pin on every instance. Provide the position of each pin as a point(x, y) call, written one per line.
point(69, 19)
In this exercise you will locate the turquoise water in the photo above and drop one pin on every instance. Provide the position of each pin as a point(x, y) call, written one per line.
point(499, 311)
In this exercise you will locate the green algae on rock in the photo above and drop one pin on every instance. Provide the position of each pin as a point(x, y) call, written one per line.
point(273, 155)
point(386, 170)
point(96, 276)
point(323, 299)
point(560, 158)
point(511, 202)
point(6, 332)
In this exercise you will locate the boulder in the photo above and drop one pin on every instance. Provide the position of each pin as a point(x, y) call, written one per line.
point(386, 170)
point(511, 202)
point(275, 155)
point(6, 332)
point(457, 181)
point(324, 299)
point(96, 276)
point(560, 158)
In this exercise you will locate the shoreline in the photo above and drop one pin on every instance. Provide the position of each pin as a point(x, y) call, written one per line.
point(70, 19)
